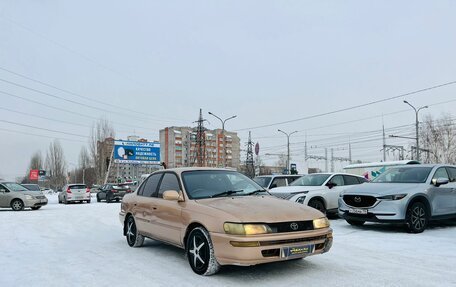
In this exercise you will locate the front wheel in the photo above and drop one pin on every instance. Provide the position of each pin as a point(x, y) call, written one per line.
point(318, 205)
point(416, 218)
point(134, 239)
point(200, 252)
point(17, 205)
point(355, 222)
point(108, 197)
point(98, 198)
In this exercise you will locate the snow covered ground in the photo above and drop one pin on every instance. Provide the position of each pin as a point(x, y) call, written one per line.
point(82, 245)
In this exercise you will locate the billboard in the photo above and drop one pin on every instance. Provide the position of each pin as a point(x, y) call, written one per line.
point(33, 174)
point(134, 152)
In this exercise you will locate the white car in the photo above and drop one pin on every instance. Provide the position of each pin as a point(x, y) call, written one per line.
point(319, 190)
point(73, 193)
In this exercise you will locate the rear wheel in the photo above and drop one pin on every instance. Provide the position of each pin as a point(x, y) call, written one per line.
point(200, 252)
point(417, 217)
point(317, 204)
point(36, 207)
point(17, 205)
point(355, 222)
point(109, 197)
point(134, 239)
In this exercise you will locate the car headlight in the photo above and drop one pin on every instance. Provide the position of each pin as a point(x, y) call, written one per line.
point(321, 223)
point(393, 197)
point(301, 199)
point(29, 197)
point(246, 229)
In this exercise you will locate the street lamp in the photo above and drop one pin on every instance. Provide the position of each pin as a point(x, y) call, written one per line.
point(288, 148)
point(223, 134)
point(416, 127)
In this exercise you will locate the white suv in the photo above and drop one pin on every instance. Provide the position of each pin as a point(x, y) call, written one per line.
point(276, 180)
point(319, 190)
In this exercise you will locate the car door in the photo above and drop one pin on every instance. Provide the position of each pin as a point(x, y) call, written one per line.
point(441, 196)
point(332, 194)
point(4, 196)
point(169, 212)
point(146, 206)
point(452, 184)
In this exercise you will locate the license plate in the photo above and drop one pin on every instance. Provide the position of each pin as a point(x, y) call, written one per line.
point(357, 211)
point(297, 250)
point(78, 197)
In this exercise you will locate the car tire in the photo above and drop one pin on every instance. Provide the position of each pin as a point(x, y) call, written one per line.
point(98, 198)
point(88, 201)
point(36, 207)
point(65, 201)
point(200, 252)
point(108, 197)
point(117, 200)
point(318, 205)
point(417, 217)
point(134, 239)
point(17, 205)
point(355, 222)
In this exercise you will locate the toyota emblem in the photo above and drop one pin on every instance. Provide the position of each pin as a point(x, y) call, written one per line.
point(294, 226)
point(357, 199)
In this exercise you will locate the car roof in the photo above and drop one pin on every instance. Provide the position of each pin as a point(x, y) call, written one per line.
point(339, 173)
point(276, 175)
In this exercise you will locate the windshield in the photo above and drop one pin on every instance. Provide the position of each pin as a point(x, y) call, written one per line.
point(208, 183)
point(310, 180)
point(404, 175)
point(33, 187)
point(79, 186)
point(263, 180)
point(15, 187)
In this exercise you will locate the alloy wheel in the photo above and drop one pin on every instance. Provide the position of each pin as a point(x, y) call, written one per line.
point(418, 217)
point(17, 205)
point(198, 252)
point(131, 231)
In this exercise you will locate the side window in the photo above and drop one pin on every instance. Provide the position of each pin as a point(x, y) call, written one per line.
point(141, 188)
point(350, 180)
point(169, 182)
point(338, 180)
point(279, 181)
point(150, 188)
point(290, 179)
point(362, 179)
point(452, 172)
point(441, 172)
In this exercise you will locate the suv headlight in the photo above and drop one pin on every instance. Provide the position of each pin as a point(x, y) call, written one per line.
point(301, 199)
point(28, 196)
point(246, 229)
point(321, 223)
point(393, 197)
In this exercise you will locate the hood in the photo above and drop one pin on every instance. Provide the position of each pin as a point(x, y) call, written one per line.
point(30, 192)
point(293, 189)
point(379, 189)
point(267, 209)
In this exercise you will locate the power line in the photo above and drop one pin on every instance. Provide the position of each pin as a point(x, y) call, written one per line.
point(44, 129)
point(43, 136)
point(353, 107)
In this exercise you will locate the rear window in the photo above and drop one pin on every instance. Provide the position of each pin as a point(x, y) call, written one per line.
point(81, 186)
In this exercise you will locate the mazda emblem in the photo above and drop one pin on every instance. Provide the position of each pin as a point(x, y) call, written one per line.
point(357, 199)
point(294, 226)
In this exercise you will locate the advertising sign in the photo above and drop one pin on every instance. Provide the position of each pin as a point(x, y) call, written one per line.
point(134, 152)
point(33, 174)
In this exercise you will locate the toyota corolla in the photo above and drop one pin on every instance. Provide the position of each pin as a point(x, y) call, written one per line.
point(221, 217)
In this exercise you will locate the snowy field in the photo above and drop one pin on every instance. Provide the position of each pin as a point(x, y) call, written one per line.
point(82, 245)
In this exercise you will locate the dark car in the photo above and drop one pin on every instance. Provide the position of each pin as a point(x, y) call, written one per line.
point(112, 192)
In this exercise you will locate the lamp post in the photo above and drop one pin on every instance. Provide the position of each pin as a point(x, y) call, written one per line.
point(288, 148)
point(417, 127)
point(223, 134)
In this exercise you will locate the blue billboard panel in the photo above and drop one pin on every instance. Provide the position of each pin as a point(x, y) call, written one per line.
point(137, 152)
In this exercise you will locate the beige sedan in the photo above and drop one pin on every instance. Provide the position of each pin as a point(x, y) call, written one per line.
point(221, 217)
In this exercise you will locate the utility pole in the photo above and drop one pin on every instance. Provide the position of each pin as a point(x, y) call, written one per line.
point(384, 143)
point(288, 148)
point(249, 159)
point(200, 141)
point(223, 135)
point(417, 127)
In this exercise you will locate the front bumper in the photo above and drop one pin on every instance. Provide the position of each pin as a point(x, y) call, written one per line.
point(35, 202)
point(270, 246)
point(392, 211)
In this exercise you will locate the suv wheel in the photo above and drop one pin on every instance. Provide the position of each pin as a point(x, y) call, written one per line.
point(416, 218)
point(317, 204)
point(200, 252)
point(134, 239)
point(109, 197)
point(17, 205)
point(355, 222)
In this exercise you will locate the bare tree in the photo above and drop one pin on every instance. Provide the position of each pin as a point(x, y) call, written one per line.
point(101, 130)
point(438, 137)
point(56, 165)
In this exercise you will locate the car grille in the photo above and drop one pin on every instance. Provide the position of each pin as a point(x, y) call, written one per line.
point(292, 241)
point(292, 226)
point(40, 197)
point(359, 200)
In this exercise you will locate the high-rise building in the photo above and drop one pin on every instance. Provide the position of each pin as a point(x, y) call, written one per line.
point(179, 148)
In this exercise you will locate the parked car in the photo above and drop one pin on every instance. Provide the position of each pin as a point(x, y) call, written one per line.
point(74, 193)
point(18, 197)
point(410, 195)
point(95, 188)
point(276, 180)
point(112, 192)
point(32, 186)
point(221, 217)
point(318, 190)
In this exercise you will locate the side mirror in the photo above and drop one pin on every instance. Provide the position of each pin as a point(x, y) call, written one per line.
point(3, 190)
point(331, 185)
point(440, 181)
point(172, 195)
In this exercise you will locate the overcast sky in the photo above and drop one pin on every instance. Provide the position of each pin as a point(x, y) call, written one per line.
point(264, 61)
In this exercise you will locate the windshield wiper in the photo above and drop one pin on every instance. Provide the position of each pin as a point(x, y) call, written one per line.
point(228, 192)
point(257, 191)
